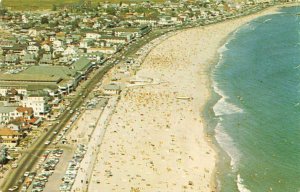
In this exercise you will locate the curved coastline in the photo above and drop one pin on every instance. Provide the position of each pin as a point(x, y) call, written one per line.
point(170, 143)
point(208, 113)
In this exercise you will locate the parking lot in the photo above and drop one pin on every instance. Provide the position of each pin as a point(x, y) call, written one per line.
point(53, 182)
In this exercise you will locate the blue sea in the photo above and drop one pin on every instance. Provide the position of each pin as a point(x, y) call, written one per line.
point(258, 112)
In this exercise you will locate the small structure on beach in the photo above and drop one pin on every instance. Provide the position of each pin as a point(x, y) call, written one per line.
point(112, 89)
point(140, 80)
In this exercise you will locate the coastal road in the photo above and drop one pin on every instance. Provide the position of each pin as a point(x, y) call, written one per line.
point(29, 159)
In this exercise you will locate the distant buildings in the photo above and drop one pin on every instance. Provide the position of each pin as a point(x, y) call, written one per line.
point(45, 57)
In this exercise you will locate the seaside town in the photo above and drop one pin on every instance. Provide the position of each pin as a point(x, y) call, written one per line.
point(61, 76)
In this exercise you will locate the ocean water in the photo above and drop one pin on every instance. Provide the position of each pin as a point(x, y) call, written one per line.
point(258, 113)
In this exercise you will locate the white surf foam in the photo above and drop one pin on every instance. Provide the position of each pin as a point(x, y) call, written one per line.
point(222, 49)
point(267, 20)
point(228, 146)
point(240, 185)
point(223, 107)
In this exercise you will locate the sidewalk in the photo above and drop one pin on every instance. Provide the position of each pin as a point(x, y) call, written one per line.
point(87, 165)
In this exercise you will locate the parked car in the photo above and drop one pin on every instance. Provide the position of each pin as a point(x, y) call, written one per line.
point(14, 188)
point(47, 142)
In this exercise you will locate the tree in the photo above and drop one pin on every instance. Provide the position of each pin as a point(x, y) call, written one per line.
point(44, 20)
point(111, 11)
point(75, 23)
point(3, 11)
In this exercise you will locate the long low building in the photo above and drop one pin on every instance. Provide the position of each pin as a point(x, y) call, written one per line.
point(62, 78)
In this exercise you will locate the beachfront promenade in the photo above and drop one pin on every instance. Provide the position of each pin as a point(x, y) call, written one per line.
point(87, 165)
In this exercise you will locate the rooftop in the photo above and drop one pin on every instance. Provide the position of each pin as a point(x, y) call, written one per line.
point(7, 132)
point(7, 109)
point(23, 77)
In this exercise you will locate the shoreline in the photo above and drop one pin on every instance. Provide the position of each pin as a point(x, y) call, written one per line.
point(215, 97)
point(156, 141)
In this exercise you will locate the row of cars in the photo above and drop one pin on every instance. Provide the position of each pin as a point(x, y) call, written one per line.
point(72, 169)
point(46, 166)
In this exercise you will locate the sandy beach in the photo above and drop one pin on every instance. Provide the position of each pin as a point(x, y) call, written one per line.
point(155, 140)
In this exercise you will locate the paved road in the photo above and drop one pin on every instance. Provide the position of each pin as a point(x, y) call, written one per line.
point(28, 160)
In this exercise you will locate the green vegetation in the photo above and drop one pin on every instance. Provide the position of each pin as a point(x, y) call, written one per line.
point(32, 5)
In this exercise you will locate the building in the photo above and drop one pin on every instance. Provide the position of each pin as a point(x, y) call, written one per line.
point(38, 101)
point(113, 39)
point(7, 114)
point(133, 32)
point(112, 89)
point(105, 49)
point(9, 137)
point(46, 59)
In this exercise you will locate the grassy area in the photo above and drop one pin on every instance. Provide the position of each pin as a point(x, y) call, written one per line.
point(31, 5)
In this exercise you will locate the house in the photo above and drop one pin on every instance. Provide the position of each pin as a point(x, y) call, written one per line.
point(52, 38)
point(32, 32)
point(25, 112)
point(11, 59)
point(15, 125)
point(166, 21)
point(15, 49)
point(7, 114)
point(29, 59)
point(35, 122)
point(33, 49)
point(70, 51)
point(86, 43)
point(38, 101)
point(94, 56)
point(57, 43)
point(57, 52)
point(46, 59)
point(69, 40)
point(92, 35)
point(9, 137)
point(65, 59)
point(111, 89)
point(46, 47)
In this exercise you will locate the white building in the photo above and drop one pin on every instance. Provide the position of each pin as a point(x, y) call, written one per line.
point(93, 36)
point(33, 49)
point(8, 113)
point(38, 102)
